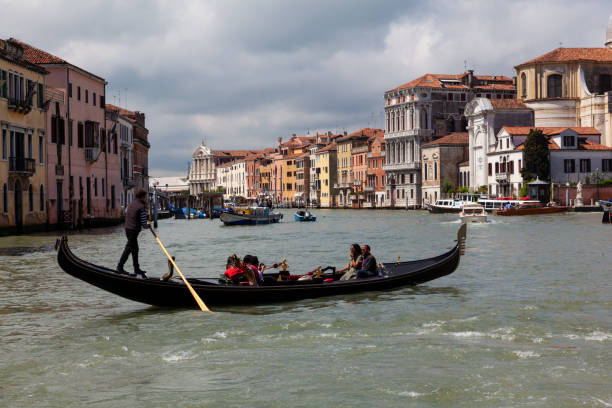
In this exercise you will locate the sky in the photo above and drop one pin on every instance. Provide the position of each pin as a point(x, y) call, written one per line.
point(240, 74)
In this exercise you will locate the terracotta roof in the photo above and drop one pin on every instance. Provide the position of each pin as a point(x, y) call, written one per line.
point(551, 145)
point(436, 81)
point(364, 133)
point(330, 147)
point(235, 153)
point(508, 104)
point(494, 87)
point(589, 145)
point(573, 54)
point(464, 163)
point(548, 131)
point(40, 57)
point(457, 138)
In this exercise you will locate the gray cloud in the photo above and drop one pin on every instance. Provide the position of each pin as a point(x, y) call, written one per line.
point(242, 73)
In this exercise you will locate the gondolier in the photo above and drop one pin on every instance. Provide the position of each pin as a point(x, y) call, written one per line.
point(135, 220)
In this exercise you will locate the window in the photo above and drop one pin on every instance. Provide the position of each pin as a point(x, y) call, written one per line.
point(4, 86)
point(42, 198)
point(78, 93)
point(41, 95)
point(554, 88)
point(80, 137)
point(3, 144)
point(70, 125)
point(605, 84)
point(30, 147)
point(113, 196)
point(569, 166)
point(585, 165)
point(70, 89)
point(499, 96)
point(450, 96)
point(569, 141)
point(5, 198)
point(435, 170)
point(57, 130)
point(496, 168)
point(523, 85)
point(102, 101)
point(96, 186)
point(606, 165)
point(87, 96)
point(490, 169)
point(93, 99)
point(103, 185)
point(31, 199)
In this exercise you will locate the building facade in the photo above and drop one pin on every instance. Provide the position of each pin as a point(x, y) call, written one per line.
point(23, 165)
point(422, 109)
point(326, 161)
point(202, 173)
point(440, 163)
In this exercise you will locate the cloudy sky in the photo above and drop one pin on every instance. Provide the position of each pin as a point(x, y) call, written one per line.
point(242, 73)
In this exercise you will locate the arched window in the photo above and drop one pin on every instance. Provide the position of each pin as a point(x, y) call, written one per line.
point(554, 87)
point(42, 198)
point(435, 170)
point(424, 124)
point(605, 83)
point(31, 199)
point(523, 85)
point(5, 198)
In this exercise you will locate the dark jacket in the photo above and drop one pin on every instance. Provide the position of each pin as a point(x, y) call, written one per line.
point(369, 264)
point(136, 215)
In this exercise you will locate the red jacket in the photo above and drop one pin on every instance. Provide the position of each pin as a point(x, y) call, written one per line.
point(233, 273)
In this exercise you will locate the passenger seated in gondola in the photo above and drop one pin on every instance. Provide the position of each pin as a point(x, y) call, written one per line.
point(252, 262)
point(237, 272)
point(354, 263)
point(368, 266)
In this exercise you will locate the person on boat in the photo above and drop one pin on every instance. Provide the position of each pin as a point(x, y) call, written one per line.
point(135, 220)
point(368, 265)
point(353, 264)
point(236, 271)
point(252, 262)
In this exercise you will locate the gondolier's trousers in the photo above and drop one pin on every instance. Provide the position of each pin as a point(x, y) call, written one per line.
point(131, 247)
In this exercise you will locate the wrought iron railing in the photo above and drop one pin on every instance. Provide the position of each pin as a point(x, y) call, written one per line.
point(22, 165)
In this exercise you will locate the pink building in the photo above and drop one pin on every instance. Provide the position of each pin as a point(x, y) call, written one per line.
point(83, 174)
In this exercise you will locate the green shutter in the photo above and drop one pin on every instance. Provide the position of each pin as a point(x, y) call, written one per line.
point(41, 95)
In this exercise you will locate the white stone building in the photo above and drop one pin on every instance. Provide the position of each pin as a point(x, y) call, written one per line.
point(575, 153)
point(202, 173)
point(485, 118)
point(232, 178)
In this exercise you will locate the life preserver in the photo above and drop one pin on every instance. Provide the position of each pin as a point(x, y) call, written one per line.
point(234, 273)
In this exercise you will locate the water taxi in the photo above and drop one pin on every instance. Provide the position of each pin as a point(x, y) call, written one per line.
point(530, 208)
point(250, 216)
point(473, 212)
point(448, 205)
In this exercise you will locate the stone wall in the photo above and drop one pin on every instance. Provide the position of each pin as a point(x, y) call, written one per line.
point(589, 194)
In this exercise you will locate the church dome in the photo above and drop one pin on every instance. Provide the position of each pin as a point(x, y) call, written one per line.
point(609, 32)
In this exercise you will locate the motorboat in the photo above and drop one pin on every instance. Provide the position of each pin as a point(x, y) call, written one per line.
point(531, 209)
point(607, 211)
point(304, 215)
point(473, 212)
point(174, 293)
point(445, 206)
point(250, 216)
point(493, 204)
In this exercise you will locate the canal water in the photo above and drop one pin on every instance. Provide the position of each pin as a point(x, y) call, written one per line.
point(524, 321)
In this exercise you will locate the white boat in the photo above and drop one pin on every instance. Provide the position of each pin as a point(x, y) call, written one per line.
point(473, 212)
point(493, 204)
point(445, 206)
point(250, 216)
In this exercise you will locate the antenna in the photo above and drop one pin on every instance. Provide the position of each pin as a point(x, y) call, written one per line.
point(465, 65)
point(126, 98)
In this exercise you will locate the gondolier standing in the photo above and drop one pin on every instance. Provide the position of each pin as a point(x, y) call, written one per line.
point(135, 220)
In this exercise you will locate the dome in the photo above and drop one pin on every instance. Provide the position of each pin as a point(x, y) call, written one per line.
point(609, 32)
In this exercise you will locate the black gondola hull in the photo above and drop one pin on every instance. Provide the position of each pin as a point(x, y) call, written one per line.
point(175, 293)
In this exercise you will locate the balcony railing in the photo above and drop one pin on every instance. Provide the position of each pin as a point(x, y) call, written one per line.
point(379, 154)
point(402, 166)
point(59, 170)
point(368, 189)
point(22, 165)
point(19, 105)
point(502, 176)
point(92, 153)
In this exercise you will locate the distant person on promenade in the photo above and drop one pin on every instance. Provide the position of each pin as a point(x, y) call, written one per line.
point(368, 265)
point(354, 263)
point(135, 220)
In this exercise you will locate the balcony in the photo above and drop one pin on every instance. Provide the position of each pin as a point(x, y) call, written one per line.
point(360, 149)
point(368, 189)
point(128, 182)
point(380, 154)
point(91, 154)
point(505, 176)
point(19, 105)
point(59, 170)
point(21, 165)
point(402, 166)
point(411, 132)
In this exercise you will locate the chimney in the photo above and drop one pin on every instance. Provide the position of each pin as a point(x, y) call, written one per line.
point(470, 78)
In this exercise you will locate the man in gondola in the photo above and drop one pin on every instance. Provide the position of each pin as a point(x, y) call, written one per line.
point(368, 265)
point(135, 220)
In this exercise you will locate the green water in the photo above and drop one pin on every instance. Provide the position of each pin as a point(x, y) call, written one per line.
point(525, 321)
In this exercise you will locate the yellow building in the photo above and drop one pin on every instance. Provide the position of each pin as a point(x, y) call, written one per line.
point(23, 170)
point(326, 174)
point(289, 173)
point(345, 165)
point(570, 87)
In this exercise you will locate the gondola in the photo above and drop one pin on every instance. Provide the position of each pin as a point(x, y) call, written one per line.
point(154, 291)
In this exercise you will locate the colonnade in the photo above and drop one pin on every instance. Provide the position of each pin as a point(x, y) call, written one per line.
point(402, 151)
point(408, 118)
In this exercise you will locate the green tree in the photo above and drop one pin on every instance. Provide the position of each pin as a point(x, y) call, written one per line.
point(446, 187)
point(536, 157)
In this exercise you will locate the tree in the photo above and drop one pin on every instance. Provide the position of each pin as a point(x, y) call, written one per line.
point(536, 156)
point(447, 187)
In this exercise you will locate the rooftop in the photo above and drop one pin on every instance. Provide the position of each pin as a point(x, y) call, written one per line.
point(456, 81)
point(572, 54)
point(457, 138)
point(549, 131)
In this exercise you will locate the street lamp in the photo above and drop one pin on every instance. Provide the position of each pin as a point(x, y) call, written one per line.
point(596, 176)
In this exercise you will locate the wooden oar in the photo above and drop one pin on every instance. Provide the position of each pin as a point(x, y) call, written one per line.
point(193, 292)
